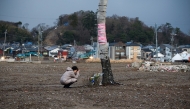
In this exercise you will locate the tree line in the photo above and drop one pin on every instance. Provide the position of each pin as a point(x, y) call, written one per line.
point(82, 25)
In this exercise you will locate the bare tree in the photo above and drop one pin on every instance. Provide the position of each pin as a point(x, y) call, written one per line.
point(25, 26)
point(103, 45)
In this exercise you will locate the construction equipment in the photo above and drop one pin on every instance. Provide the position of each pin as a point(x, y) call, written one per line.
point(87, 55)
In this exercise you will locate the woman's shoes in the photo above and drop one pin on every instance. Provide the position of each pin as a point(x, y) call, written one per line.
point(67, 85)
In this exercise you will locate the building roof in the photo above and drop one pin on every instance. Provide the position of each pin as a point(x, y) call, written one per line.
point(176, 57)
point(184, 46)
point(167, 45)
point(66, 46)
point(112, 44)
point(133, 44)
point(146, 50)
point(117, 44)
point(49, 48)
point(149, 47)
point(159, 55)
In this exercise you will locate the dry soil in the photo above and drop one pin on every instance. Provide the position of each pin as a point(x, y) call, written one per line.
point(37, 86)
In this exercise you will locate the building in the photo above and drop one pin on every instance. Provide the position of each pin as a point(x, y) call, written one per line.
point(52, 50)
point(182, 48)
point(168, 51)
point(117, 51)
point(146, 54)
point(133, 51)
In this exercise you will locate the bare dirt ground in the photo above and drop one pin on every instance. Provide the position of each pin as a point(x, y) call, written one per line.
point(37, 86)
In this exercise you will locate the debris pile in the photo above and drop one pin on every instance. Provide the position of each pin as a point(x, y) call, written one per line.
point(160, 67)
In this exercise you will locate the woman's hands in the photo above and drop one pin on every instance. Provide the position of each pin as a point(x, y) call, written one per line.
point(76, 72)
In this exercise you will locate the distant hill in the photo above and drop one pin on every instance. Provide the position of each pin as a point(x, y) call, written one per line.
point(82, 25)
point(53, 36)
point(15, 32)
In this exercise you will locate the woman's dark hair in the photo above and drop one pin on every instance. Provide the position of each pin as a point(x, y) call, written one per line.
point(75, 68)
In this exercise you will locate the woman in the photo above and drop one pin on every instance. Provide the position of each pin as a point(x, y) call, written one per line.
point(70, 76)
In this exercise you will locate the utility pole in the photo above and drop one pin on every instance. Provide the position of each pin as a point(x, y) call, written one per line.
point(41, 41)
point(91, 54)
point(103, 45)
point(75, 44)
point(4, 43)
point(172, 40)
point(156, 42)
point(91, 41)
point(38, 45)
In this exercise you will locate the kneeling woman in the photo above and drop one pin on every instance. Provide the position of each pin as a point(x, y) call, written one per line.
point(70, 76)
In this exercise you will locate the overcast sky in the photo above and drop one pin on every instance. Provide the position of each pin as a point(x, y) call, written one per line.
point(34, 12)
